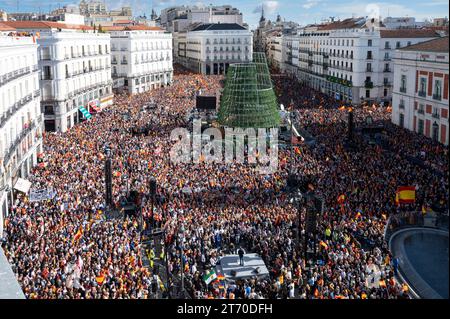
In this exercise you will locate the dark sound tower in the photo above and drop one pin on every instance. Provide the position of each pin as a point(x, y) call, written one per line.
point(108, 183)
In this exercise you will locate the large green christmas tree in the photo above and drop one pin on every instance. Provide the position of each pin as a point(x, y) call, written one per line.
point(248, 99)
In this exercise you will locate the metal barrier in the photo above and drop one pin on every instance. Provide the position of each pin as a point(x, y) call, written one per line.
point(403, 220)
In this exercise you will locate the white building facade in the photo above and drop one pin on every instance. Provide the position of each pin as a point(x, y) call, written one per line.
point(421, 89)
point(348, 59)
point(75, 71)
point(211, 48)
point(21, 121)
point(141, 58)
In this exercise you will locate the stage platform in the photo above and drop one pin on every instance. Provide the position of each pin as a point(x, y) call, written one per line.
point(252, 262)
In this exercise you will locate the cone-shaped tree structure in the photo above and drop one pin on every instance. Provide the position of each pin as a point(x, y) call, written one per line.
point(248, 99)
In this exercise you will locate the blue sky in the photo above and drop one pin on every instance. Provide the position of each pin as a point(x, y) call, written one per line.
point(301, 11)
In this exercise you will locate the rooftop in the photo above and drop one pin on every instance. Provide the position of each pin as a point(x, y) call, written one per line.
point(349, 23)
point(435, 45)
point(4, 27)
point(408, 33)
point(45, 25)
point(139, 27)
point(219, 27)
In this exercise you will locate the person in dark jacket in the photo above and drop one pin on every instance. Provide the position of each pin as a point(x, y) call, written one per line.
point(241, 256)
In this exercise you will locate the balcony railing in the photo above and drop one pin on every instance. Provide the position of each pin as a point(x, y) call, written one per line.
point(421, 93)
point(420, 111)
point(13, 147)
point(403, 89)
point(14, 108)
point(386, 83)
point(437, 97)
point(387, 70)
point(401, 106)
point(8, 77)
point(368, 85)
point(436, 115)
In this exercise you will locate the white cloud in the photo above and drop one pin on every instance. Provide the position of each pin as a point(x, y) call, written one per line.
point(311, 3)
point(270, 7)
point(383, 9)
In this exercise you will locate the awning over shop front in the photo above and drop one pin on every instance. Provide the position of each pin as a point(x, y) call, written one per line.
point(94, 106)
point(85, 112)
point(22, 185)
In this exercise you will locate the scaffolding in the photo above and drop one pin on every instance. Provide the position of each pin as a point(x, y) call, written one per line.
point(248, 99)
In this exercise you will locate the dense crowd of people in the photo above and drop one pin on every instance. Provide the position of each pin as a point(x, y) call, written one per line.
point(66, 248)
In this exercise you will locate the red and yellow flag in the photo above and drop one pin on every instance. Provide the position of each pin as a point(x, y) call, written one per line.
point(405, 195)
point(341, 199)
point(100, 279)
point(78, 235)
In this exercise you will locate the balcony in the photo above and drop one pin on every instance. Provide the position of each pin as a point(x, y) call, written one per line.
point(369, 70)
point(387, 58)
point(368, 84)
point(421, 93)
point(114, 62)
point(421, 111)
point(388, 47)
point(387, 70)
point(22, 135)
point(403, 90)
point(369, 57)
point(47, 77)
point(437, 97)
point(436, 115)
point(17, 74)
point(401, 106)
point(113, 49)
point(14, 108)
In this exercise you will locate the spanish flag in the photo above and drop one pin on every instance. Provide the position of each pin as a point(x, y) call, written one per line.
point(297, 151)
point(341, 199)
point(78, 235)
point(100, 279)
point(323, 244)
point(405, 195)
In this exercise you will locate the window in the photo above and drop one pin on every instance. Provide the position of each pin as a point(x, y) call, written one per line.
point(420, 126)
point(421, 109)
point(401, 120)
point(367, 93)
point(437, 89)
point(385, 92)
point(423, 87)
point(403, 83)
point(369, 43)
point(409, 43)
point(387, 45)
point(369, 55)
point(435, 131)
point(397, 45)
